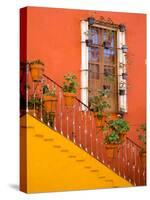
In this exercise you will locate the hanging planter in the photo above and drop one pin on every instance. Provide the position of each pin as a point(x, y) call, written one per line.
point(69, 99)
point(111, 150)
point(124, 48)
point(91, 20)
point(121, 113)
point(100, 119)
point(50, 103)
point(88, 42)
point(36, 69)
point(69, 89)
point(49, 100)
point(121, 92)
point(124, 76)
point(122, 28)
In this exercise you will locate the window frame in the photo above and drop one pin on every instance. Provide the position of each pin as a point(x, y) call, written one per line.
point(121, 60)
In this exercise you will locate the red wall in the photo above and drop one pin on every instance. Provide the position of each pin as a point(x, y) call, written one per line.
point(53, 35)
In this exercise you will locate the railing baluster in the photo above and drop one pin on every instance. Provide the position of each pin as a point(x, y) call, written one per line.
point(77, 123)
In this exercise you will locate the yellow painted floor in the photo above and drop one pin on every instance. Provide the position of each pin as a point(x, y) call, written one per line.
point(56, 164)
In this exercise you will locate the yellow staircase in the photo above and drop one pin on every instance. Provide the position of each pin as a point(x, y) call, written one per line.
point(50, 162)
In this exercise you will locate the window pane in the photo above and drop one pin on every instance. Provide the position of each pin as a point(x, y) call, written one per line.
point(94, 72)
point(109, 36)
point(109, 56)
point(94, 54)
point(94, 36)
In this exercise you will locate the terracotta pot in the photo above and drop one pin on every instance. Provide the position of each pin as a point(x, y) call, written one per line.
point(111, 150)
point(122, 137)
point(100, 122)
point(50, 103)
point(36, 72)
point(112, 116)
point(69, 99)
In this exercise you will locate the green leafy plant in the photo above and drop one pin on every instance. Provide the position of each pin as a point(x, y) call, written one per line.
point(142, 133)
point(49, 118)
point(113, 130)
point(112, 138)
point(34, 102)
point(48, 92)
point(119, 126)
point(38, 62)
point(70, 84)
point(99, 104)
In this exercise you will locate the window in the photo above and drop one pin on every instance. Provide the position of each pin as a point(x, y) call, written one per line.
point(101, 60)
point(102, 63)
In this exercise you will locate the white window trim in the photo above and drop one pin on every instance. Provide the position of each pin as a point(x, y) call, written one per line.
point(122, 100)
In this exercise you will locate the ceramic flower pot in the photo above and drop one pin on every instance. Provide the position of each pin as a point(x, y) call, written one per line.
point(91, 20)
point(36, 71)
point(111, 150)
point(100, 122)
point(69, 99)
point(122, 27)
point(50, 103)
point(89, 42)
point(122, 137)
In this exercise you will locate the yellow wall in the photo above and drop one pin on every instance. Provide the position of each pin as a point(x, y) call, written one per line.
point(53, 163)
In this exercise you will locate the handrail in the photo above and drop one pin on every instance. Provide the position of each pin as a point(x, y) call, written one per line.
point(133, 142)
point(81, 128)
point(62, 88)
point(86, 106)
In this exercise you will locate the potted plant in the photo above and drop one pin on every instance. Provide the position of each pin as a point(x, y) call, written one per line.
point(89, 42)
point(91, 20)
point(36, 68)
point(111, 142)
point(121, 92)
point(34, 104)
point(142, 137)
point(124, 48)
point(69, 89)
point(120, 127)
point(122, 28)
point(49, 99)
point(124, 76)
point(48, 118)
point(98, 104)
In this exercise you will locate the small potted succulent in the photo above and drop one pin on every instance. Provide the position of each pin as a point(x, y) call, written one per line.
point(142, 137)
point(91, 20)
point(89, 42)
point(36, 68)
point(49, 99)
point(124, 48)
point(120, 126)
point(124, 75)
point(122, 28)
point(121, 92)
point(98, 104)
point(69, 89)
point(34, 104)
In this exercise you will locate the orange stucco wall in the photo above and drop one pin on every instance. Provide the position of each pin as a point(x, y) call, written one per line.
point(53, 35)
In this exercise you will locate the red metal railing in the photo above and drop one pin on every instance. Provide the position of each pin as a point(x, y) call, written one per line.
point(77, 123)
